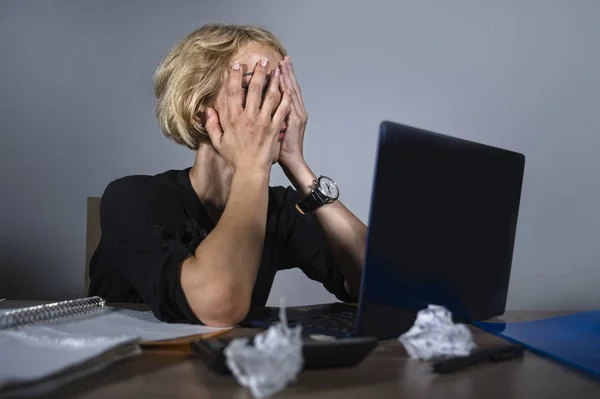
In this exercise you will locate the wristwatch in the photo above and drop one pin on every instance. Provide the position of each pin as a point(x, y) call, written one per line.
point(324, 191)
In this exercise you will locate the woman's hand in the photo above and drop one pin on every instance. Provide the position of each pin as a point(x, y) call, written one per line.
point(293, 142)
point(246, 136)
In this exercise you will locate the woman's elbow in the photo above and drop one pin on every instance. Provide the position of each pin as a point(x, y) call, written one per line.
point(215, 302)
point(226, 318)
point(222, 310)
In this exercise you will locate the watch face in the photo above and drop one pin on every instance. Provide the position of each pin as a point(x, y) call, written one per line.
point(328, 187)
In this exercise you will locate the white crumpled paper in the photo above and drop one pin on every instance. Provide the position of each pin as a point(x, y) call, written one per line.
point(434, 335)
point(273, 361)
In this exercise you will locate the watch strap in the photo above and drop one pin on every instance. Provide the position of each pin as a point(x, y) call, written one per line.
point(309, 203)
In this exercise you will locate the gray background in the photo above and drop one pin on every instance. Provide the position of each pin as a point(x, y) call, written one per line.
point(77, 111)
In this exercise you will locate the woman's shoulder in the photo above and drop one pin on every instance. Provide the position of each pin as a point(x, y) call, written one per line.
point(139, 189)
point(135, 185)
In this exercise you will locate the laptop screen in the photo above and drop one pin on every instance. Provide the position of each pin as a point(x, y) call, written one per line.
point(442, 225)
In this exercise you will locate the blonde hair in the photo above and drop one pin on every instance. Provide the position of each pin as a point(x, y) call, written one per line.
point(190, 77)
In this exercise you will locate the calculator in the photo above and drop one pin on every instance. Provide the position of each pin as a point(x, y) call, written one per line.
point(318, 351)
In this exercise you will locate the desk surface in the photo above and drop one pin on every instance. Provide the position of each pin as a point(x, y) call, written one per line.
point(387, 372)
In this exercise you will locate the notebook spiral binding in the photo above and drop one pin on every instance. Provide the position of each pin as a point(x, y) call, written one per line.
point(50, 312)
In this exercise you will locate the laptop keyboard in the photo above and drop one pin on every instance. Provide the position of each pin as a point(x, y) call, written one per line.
point(342, 322)
point(335, 319)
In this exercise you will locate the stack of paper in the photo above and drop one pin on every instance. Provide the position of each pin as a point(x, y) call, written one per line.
point(39, 357)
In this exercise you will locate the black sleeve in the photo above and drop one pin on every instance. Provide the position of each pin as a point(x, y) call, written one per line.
point(146, 236)
point(307, 246)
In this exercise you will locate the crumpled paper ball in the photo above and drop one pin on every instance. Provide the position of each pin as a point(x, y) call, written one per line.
point(434, 336)
point(274, 360)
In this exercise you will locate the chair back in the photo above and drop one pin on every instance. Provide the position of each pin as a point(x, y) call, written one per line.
point(93, 234)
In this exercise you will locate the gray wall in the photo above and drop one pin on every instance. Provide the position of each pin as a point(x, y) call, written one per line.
point(77, 111)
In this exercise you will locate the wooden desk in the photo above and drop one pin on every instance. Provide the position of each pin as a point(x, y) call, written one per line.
point(387, 372)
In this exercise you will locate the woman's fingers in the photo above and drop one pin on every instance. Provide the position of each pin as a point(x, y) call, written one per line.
point(292, 73)
point(255, 88)
point(283, 110)
point(235, 97)
point(288, 86)
point(272, 95)
point(213, 127)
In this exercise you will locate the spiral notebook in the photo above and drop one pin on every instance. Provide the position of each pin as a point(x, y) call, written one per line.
point(45, 346)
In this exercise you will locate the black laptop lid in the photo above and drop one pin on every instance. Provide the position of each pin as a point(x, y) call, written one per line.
point(441, 231)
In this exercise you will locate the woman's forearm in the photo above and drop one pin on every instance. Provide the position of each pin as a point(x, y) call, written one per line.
point(346, 234)
point(218, 280)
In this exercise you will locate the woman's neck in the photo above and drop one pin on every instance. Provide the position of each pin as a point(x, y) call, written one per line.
point(211, 179)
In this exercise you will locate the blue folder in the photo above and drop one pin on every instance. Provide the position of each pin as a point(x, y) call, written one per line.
point(573, 339)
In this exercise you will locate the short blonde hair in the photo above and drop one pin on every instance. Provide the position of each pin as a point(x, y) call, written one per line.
point(190, 77)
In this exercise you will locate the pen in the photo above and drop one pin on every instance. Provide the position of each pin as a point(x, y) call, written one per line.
point(495, 354)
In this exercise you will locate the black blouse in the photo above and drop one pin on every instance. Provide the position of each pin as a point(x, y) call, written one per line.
point(150, 224)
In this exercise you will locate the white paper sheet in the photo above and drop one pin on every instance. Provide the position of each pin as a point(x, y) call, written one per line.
point(41, 350)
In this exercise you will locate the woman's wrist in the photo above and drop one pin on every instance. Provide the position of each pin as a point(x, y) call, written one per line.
point(301, 176)
point(255, 174)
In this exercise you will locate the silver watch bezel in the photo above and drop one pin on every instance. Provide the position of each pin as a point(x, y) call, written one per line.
point(317, 187)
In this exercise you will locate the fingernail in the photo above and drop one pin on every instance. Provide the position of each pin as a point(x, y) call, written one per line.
point(236, 66)
point(276, 72)
point(264, 62)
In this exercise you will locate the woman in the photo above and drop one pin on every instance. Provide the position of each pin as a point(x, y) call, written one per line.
point(203, 244)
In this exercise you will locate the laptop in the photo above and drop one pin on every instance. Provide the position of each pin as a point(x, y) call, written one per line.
point(441, 231)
